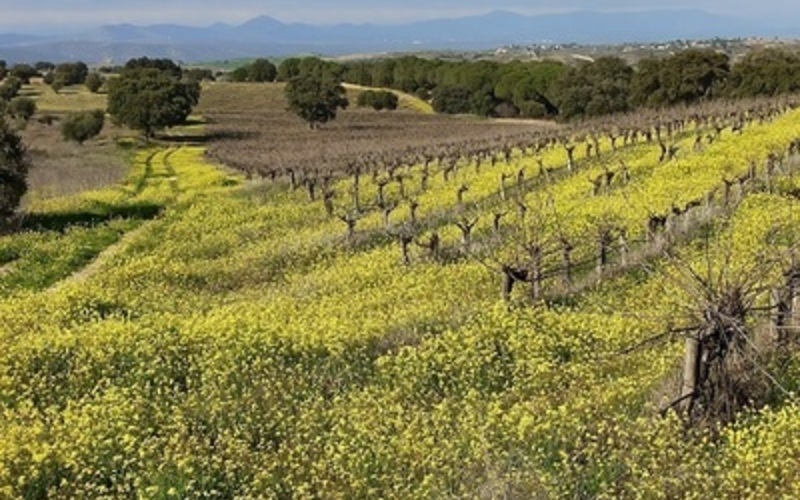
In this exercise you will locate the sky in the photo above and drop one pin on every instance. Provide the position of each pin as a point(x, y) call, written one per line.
point(43, 16)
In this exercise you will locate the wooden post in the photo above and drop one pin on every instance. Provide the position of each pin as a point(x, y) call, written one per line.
point(691, 373)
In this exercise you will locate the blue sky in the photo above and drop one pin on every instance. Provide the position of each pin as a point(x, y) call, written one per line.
point(66, 15)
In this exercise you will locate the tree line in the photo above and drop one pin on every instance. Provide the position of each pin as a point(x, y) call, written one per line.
point(551, 89)
point(606, 85)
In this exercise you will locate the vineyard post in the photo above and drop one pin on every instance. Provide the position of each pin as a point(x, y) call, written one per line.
point(503, 192)
point(570, 148)
point(691, 372)
point(356, 188)
point(623, 249)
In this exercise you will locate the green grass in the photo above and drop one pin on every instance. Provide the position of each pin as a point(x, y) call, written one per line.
point(69, 99)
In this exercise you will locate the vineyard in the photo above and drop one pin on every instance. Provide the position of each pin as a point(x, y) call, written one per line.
point(414, 307)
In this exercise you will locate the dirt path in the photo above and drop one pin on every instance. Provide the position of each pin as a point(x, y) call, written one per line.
point(110, 252)
point(100, 261)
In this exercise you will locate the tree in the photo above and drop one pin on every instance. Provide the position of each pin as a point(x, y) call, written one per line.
point(14, 165)
point(167, 66)
point(239, 75)
point(451, 100)
point(684, 78)
point(593, 89)
point(149, 99)
point(44, 66)
point(198, 75)
point(80, 127)
point(766, 72)
point(93, 82)
point(288, 69)
point(10, 88)
point(67, 74)
point(261, 70)
point(695, 74)
point(22, 108)
point(316, 95)
point(378, 100)
point(24, 72)
point(646, 86)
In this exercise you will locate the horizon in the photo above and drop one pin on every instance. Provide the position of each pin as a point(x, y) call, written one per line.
point(48, 17)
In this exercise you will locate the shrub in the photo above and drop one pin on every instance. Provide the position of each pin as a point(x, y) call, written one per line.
point(10, 88)
point(80, 127)
point(22, 108)
point(93, 82)
point(378, 100)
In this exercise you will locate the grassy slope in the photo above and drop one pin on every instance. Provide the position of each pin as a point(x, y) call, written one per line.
point(406, 101)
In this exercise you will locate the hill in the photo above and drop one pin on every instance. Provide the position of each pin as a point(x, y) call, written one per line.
point(267, 36)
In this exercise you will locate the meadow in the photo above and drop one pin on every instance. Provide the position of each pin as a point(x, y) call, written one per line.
point(411, 306)
point(63, 168)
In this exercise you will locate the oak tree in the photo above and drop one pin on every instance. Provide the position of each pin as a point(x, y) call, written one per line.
point(150, 99)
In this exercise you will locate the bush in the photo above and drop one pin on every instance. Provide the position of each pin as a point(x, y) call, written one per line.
point(238, 75)
point(68, 74)
point(22, 108)
point(199, 75)
point(10, 88)
point(261, 70)
point(80, 127)
point(24, 72)
point(93, 82)
point(378, 100)
point(14, 165)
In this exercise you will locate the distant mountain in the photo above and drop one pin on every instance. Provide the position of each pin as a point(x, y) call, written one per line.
point(14, 39)
point(267, 36)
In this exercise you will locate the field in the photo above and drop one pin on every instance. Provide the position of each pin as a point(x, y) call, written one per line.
point(263, 143)
point(412, 306)
point(61, 168)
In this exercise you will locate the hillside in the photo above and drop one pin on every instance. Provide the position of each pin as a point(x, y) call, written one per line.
point(503, 311)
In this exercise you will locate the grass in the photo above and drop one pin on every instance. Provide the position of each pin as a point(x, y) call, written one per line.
point(61, 168)
point(406, 102)
point(69, 99)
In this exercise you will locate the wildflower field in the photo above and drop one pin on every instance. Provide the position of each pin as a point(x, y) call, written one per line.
point(505, 321)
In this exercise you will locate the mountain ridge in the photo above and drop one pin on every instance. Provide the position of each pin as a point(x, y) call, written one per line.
point(267, 36)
